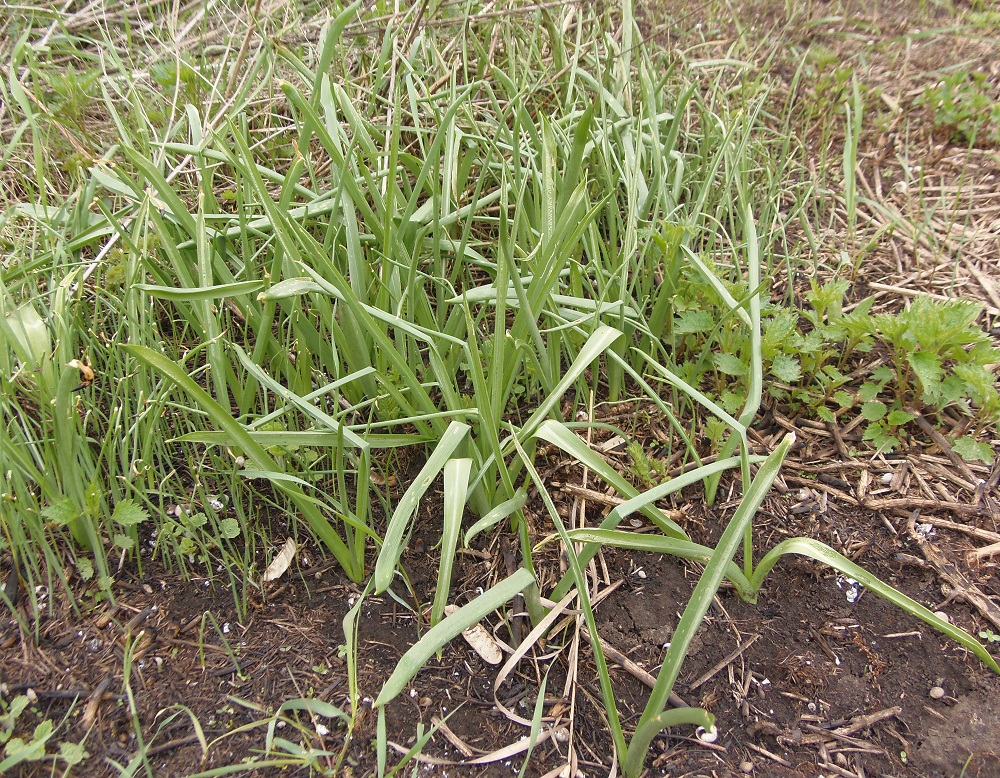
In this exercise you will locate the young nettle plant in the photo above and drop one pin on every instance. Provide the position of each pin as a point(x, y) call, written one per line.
point(809, 362)
point(961, 105)
point(938, 358)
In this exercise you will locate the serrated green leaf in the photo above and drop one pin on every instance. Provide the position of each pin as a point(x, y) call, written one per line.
point(951, 390)
point(72, 753)
point(873, 431)
point(844, 399)
point(85, 568)
point(834, 374)
point(729, 364)
point(927, 367)
point(883, 374)
point(124, 541)
point(972, 450)
point(43, 731)
point(780, 328)
point(195, 520)
point(897, 418)
point(868, 392)
point(18, 751)
point(826, 414)
point(18, 706)
point(874, 410)
point(128, 513)
point(229, 528)
point(693, 322)
point(92, 498)
point(63, 512)
point(811, 343)
point(786, 368)
point(732, 401)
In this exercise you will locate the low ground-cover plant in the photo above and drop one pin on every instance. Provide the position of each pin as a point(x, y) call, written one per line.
point(23, 748)
point(936, 357)
point(961, 105)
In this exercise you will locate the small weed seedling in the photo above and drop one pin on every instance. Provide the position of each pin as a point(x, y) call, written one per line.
point(18, 750)
point(961, 106)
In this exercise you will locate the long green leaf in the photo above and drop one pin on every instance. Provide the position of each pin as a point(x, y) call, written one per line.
point(438, 636)
point(558, 434)
point(498, 514)
point(200, 293)
point(658, 544)
point(579, 578)
point(823, 553)
point(392, 545)
point(697, 607)
point(456, 487)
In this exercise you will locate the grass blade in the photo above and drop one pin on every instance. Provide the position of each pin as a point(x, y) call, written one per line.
point(821, 552)
point(392, 545)
point(451, 626)
point(697, 607)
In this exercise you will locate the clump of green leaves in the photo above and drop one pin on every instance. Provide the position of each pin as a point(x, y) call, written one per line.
point(648, 470)
point(21, 750)
point(961, 105)
point(939, 359)
point(179, 75)
point(809, 360)
point(831, 76)
point(197, 532)
point(70, 94)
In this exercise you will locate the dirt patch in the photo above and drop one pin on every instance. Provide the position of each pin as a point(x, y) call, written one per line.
point(813, 662)
point(789, 678)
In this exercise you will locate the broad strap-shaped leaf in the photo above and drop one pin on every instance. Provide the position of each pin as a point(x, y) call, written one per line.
point(392, 545)
point(200, 293)
point(456, 489)
point(658, 544)
point(823, 553)
point(697, 607)
point(451, 626)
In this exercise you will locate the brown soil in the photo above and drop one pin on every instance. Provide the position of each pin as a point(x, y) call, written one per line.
point(812, 662)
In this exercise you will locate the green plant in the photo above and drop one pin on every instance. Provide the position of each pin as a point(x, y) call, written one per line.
point(314, 260)
point(961, 105)
point(989, 636)
point(50, 464)
point(647, 469)
point(940, 359)
point(19, 751)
